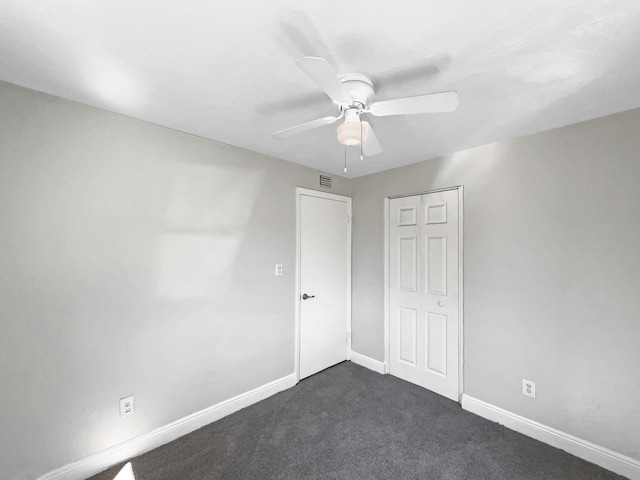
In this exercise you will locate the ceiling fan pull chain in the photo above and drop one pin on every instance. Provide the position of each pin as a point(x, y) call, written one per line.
point(361, 155)
point(345, 159)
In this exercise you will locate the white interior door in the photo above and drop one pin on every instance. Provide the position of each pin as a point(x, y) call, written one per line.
point(424, 291)
point(324, 225)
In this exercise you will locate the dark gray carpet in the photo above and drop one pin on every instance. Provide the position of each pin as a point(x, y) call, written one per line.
point(351, 423)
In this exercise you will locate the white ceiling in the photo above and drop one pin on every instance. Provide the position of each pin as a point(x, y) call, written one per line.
point(227, 70)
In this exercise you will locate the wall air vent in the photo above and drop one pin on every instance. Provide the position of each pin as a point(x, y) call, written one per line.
point(325, 181)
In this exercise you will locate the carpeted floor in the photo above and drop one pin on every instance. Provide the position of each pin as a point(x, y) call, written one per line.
point(348, 422)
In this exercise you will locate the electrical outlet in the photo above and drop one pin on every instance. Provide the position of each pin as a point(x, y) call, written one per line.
point(529, 388)
point(127, 406)
point(278, 269)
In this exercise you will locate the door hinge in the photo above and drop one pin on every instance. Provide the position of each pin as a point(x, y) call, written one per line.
point(348, 336)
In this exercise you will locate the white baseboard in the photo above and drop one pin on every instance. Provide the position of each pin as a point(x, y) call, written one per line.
point(101, 461)
point(616, 462)
point(368, 362)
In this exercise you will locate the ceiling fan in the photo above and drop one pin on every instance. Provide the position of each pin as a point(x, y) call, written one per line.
point(352, 93)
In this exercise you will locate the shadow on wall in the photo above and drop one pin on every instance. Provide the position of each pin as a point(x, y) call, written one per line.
point(195, 249)
point(200, 245)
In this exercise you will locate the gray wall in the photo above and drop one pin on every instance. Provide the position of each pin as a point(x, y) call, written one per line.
point(551, 273)
point(133, 260)
point(136, 259)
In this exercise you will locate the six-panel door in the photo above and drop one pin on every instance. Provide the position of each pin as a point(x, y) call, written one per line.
point(424, 293)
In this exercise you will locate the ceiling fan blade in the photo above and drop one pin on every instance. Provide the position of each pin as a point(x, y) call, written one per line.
point(321, 72)
point(430, 103)
point(305, 127)
point(371, 145)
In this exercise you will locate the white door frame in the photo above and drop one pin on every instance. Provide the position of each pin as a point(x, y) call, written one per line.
point(329, 196)
point(387, 335)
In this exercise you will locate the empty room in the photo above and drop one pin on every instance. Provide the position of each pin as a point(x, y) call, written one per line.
point(319, 240)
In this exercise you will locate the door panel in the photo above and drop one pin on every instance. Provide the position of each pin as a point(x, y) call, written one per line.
point(407, 264)
point(436, 265)
point(407, 216)
point(407, 335)
point(423, 293)
point(436, 343)
point(324, 273)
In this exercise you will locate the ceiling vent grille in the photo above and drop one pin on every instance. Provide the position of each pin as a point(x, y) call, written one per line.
point(325, 181)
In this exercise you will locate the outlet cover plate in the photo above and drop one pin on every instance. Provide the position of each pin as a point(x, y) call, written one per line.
point(529, 388)
point(127, 406)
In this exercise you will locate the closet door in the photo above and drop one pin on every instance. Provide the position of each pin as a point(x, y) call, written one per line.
point(423, 261)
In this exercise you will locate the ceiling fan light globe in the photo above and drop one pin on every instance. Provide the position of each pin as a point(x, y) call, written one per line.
point(351, 133)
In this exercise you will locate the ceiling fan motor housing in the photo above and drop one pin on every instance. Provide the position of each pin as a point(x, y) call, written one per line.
point(359, 88)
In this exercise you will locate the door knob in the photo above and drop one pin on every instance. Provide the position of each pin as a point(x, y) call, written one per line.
point(305, 296)
point(441, 303)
